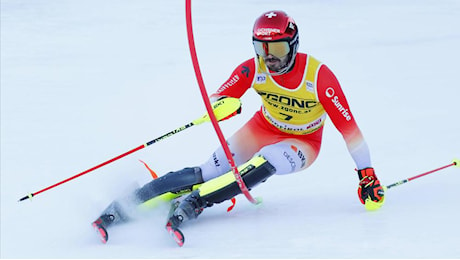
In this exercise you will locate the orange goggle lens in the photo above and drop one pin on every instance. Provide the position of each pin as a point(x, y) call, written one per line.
point(278, 49)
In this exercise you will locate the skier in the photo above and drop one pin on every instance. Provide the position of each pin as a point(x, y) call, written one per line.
point(283, 137)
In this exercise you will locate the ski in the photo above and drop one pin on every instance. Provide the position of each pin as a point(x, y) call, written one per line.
point(101, 231)
point(176, 234)
point(172, 229)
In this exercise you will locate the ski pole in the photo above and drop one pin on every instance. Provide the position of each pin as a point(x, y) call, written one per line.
point(221, 108)
point(455, 162)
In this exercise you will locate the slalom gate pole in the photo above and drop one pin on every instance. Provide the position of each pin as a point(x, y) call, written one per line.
point(219, 109)
point(455, 162)
point(204, 94)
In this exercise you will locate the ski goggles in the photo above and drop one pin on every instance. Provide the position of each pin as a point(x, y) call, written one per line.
point(278, 49)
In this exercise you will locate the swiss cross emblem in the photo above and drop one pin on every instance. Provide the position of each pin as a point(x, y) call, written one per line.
point(270, 15)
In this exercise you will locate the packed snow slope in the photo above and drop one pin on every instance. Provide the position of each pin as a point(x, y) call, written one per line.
point(84, 81)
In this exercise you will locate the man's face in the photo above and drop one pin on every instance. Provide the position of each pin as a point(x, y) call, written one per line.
point(275, 54)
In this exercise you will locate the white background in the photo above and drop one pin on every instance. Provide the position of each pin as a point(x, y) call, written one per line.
point(84, 81)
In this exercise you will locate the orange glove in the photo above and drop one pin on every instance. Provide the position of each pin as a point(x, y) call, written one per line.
point(370, 193)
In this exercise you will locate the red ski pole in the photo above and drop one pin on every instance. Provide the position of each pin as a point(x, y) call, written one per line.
point(221, 109)
point(455, 162)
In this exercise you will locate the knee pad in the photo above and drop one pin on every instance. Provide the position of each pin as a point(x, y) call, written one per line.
point(225, 187)
point(177, 181)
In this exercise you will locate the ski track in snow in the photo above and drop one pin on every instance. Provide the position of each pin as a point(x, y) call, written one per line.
point(84, 81)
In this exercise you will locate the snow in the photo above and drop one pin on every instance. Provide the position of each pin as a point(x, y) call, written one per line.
point(84, 81)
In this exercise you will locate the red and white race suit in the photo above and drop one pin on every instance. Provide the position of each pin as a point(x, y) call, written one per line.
point(287, 130)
